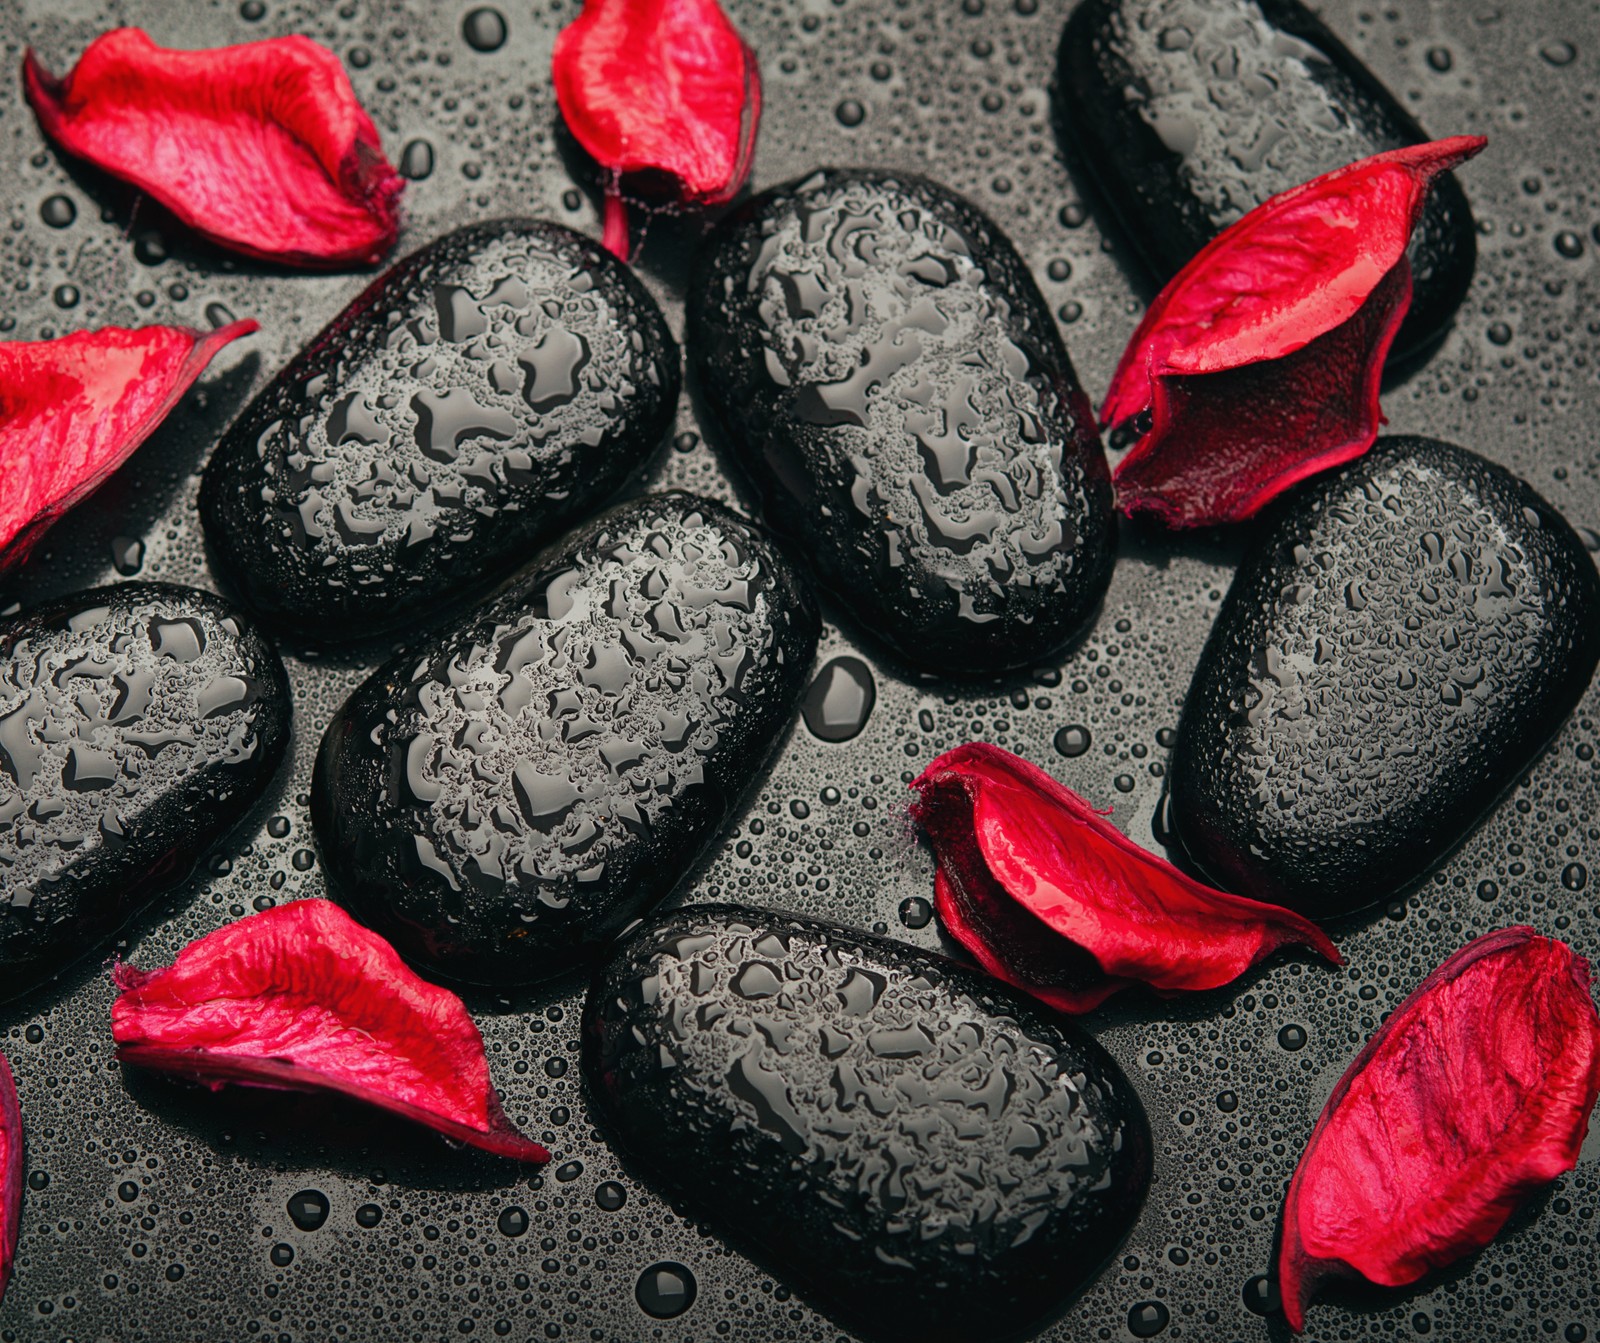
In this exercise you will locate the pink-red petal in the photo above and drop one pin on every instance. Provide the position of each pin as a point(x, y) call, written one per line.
point(1050, 896)
point(10, 1172)
point(664, 88)
point(303, 998)
point(1474, 1093)
point(262, 148)
point(73, 410)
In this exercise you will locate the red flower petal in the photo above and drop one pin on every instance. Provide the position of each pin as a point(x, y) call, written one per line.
point(262, 147)
point(660, 86)
point(303, 998)
point(10, 1172)
point(1051, 897)
point(1307, 292)
point(1476, 1091)
point(73, 410)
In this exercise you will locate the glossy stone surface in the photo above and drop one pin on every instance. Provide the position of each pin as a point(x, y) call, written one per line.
point(485, 394)
point(500, 799)
point(1189, 113)
point(883, 366)
point(1404, 637)
point(921, 1151)
point(137, 724)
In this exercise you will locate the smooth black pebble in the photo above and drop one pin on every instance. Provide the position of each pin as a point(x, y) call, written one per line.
point(883, 366)
point(485, 394)
point(137, 724)
point(1189, 113)
point(501, 799)
point(923, 1152)
point(1402, 640)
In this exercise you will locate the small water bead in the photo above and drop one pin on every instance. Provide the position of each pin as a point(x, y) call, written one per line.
point(58, 211)
point(513, 1221)
point(1499, 333)
point(484, 29)
point(1292, 1038)
point(1123, 783)
point(569, 1171)
point(1488, 890)
point(219, 314)
point(1147, 1319)
point(149, 249)
point(38, 1179)
point(360, 58)
point(1072, 215)
point(66, 296)
point(416, 160)
point(1558, 53)
point(308, 1209)
point(1421, 1323)
point(252, 11)
point(1059, 269)
point(1227, 1101)
point(915, 912)
point(799, 809)
point(1575, 876)
point(127, 1191)
point(34, 1034)
point(850, 113)
point(282, 1255)
point(1261, 1295)
point(609, 1196)
point(1439, 59)
point(127, 555)
point(839, 701)
point(368, 1215)
point(665, 1290)
point(1072, 740)
point(278, 827)
point(1569, 244)
point(555, 1067)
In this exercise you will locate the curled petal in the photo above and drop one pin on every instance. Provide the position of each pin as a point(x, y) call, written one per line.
point(665, 88)
point(1259, 363)
point(10, 1172)
point(73, 410)
point(1051, 897)
point(261, 148)
point(303, 998)
point(1474, 1093)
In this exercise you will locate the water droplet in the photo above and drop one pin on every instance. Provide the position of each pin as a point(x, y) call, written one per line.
point(1499, 333)
point(850, 112)
point(609, 1195)
point(58, 211)
point(368, 1215)
point(149, 248)
point(416, 160)
point(1575, 876)
point(34, 1034)
point(915, 912)
point(38, 1179)
point(1488, 890)
point(665, 1290)
point(252, 11)
point(1261, 1295)
point(67, 296)
point(282, 1255)
point(484, 29)
point(555, 1066)
point(127, 555)
point(569, 1171)
point(839, 701)
point(218, 314)
point(360, 58)
point(513, 1221)
point(127, 1191)
point(1292, 1037)
point(1439, 59)
point(308, 1209)
point(1569, 244)
point(1058, 270)
point(1558, 53)
point(1227, 1101)
point(1072, 740)
point(1147, 1319)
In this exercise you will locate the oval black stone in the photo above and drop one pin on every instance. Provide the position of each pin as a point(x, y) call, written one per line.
point(137, 724)
point(485, 394)
point(923, 1151)
point(1402, 640)
point(882, 364)
point(1189, 113)
point(501, 799)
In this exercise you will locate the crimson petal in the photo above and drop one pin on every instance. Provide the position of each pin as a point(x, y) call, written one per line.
point(1259, 363)
point(73, 410)
point(303, 998)
point(1475, 1092)
point(1051, 897)
point(663, 87)
point(261, 148)
point(10, 1172)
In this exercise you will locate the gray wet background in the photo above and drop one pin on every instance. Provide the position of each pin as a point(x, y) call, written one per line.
point(157, 1213)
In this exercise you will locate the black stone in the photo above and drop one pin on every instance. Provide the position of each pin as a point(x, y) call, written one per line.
point(137, 724)
point(921, 1150)
point(1189, 113)
point(500, 800)
point(883, 366)
point(485, 394)
point(1402, 640)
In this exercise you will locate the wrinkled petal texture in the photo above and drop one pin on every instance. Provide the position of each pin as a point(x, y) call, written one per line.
point(262, 148)
point(660, 86)
point(1475, 1092)
point(73, 410)
point(302, 997)
point(10, 1172)
point(1259, 363)
point(1051, 897)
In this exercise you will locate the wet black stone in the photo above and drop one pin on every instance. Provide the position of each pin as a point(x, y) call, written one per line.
point(501, 799)
point(485, 394)
point(1189, 113)
point(883, 366)
point(1402, 640)
point(951, 1161)
point(137, 724)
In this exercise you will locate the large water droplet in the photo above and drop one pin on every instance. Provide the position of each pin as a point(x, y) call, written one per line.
point(840, 700)
point(484, 29)
point(665, 1290)
point(308, 1209)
